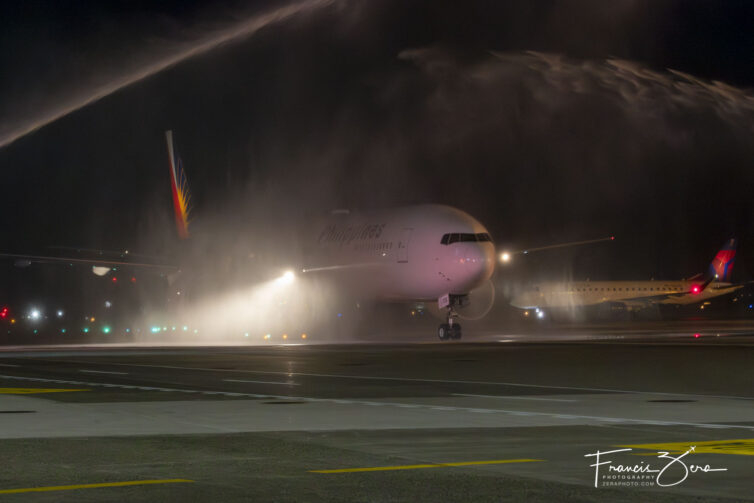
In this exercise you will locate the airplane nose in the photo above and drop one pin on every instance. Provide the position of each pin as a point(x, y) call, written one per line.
point(475, 264)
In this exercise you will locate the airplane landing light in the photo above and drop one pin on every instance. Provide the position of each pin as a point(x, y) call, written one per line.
point(287, 278)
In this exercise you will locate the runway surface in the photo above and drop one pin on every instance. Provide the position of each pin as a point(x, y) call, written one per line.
point(502, 418)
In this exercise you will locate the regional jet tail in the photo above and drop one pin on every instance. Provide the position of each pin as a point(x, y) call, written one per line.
point(635, 295)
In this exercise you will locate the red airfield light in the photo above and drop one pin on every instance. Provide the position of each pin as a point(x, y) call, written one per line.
point(133, 279)
point(696, 336)
point(115, 279)
point(4, 313)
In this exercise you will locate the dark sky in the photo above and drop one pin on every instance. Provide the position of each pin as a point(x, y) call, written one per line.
point(547, 120)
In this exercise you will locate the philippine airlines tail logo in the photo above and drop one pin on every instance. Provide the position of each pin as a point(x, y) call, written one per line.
point(722, 265)
point(181, 192)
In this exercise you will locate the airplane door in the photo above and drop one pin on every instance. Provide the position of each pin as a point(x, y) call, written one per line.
point(403, 245)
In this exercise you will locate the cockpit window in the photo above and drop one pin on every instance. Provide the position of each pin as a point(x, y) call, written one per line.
point(460, 237)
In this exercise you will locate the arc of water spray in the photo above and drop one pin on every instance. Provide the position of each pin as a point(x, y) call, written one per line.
point(240, 30)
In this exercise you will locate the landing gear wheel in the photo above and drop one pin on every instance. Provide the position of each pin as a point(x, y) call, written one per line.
point(444, 332)
point(455, 331)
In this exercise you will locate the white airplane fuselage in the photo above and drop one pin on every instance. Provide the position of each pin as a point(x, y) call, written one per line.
point(590, 293)
point(411, 253)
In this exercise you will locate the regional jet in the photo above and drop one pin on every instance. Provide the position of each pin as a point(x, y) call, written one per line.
point(634, 295)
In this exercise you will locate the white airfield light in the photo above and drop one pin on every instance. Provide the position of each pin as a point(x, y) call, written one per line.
point(100, 271)
point(35, 314)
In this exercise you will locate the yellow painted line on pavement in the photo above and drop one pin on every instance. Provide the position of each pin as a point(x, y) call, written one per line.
point(31, 391)
point(93, 486)
point(743, 446)
point(432, 465)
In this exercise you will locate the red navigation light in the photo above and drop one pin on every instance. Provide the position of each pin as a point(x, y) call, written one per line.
point(133, 279)
point(115, 279)
point(612, 238)
point(696, 289)
point(696, 336)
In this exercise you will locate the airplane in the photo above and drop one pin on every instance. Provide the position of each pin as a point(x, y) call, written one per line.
point(633, 295)
point(415, 253)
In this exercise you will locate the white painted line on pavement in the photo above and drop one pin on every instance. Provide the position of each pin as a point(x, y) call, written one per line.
point(442, 381)
point(508, 397)
point(262, 382)
point(605, 419)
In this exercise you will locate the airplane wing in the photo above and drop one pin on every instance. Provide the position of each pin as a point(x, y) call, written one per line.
point(507, 256)
point(360, 265)
point(643, 301)
point(102, 265)
point(98, 265)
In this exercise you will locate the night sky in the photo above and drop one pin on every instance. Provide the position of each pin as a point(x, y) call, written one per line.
point(549, 121)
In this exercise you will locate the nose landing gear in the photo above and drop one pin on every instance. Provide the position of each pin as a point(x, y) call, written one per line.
point(451, 329)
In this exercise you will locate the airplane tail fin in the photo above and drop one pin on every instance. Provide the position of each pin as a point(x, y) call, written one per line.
point(180, 189)
point(722, 265)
